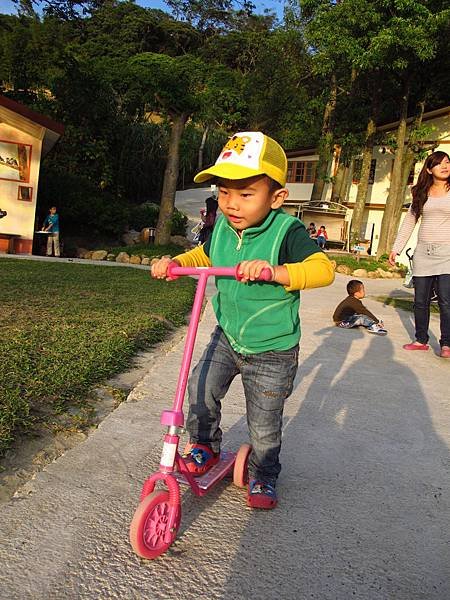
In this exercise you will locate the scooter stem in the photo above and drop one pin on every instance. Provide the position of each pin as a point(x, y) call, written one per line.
point(190, 341)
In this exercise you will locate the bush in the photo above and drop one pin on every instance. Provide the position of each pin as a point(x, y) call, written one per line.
point(143, 215)
point(146, 215)
point(179, 223)
point(84, 209)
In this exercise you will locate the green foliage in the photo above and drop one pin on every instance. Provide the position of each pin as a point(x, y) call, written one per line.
point(143, 215)
point(370, 264)
point(166, 83)
point(84, 209)
point(403, 303)
point(178, 223)
point(146, 215)
point(66, 327)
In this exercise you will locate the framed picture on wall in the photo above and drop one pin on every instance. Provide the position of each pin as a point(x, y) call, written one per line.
point(25, 193)
point(15, 161)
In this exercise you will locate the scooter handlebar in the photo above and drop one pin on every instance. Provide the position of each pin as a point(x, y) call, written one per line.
point(174, 271)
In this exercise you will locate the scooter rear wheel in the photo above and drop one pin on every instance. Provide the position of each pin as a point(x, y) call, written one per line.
point(240, 472)
point(149, 525)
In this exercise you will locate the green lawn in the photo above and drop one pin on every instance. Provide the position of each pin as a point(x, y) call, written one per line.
point(404, 303)
point(67, 326)
point(368, 263)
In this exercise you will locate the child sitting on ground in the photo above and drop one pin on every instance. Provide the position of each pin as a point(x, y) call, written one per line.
point(322, 237)
point(258, 328)
point(351, 312)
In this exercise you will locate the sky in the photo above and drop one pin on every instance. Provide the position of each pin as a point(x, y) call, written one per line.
point(7, 7)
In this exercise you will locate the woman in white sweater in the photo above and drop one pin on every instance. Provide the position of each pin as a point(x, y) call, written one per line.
point(431, 263)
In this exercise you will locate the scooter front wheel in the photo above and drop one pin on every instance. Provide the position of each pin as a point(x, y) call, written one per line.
point(148, 529)
point(240, 472)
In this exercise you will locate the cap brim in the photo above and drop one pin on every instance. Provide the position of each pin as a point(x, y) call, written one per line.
point(226, 171)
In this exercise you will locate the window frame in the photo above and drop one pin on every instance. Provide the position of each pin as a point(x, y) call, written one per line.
point(298, 168)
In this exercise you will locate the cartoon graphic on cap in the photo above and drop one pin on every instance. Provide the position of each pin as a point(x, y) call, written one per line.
point(235, 143)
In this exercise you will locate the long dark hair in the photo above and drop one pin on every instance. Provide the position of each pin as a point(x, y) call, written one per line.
point(425, 181)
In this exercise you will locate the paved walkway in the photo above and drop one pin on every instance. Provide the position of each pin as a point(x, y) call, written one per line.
point(364, 493)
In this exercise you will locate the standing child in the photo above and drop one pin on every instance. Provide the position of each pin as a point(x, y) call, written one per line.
point(322, 237)
point(351, 312)
point(51, 224)
point(258, 328)
point(209, 219)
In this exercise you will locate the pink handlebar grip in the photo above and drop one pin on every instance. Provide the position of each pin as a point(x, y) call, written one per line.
point(174, 271)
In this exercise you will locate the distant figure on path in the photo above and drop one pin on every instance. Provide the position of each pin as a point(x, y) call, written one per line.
point(431, 262)
point(51, 224)
point(209, 219)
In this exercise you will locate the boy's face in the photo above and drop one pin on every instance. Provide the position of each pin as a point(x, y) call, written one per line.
point(53, 211)
point(247, 202)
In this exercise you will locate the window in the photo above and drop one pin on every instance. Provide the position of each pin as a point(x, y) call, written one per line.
point(357, 165)
point(301, 171)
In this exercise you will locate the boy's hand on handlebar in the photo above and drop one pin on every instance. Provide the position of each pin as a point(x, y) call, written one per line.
point(250, 270)
point(392, 257)
point(159, 269)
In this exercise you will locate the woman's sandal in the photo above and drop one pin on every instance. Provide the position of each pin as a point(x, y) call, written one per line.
point(414, 346)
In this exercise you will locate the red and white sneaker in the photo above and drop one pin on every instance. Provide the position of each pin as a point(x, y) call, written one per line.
point(199, 458)
point(261, 495)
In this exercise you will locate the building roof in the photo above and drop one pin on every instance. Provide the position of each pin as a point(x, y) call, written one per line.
point(28, 119)
point(304, 151)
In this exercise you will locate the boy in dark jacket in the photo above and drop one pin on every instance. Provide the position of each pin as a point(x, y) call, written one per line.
point(351, 312)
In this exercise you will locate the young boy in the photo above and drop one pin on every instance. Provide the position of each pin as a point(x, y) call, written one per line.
point(259, 328)
point(351, 312)
point(51, 224)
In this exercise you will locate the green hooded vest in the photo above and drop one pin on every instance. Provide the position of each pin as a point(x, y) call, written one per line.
point(258, 316)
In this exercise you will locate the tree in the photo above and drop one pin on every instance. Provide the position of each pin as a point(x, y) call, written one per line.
point(178, 88)
point(414, 27)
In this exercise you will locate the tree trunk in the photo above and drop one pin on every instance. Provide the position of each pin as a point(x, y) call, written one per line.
point(338, 182)
point(363, 186)
point(325, 144)
point(408, 163)
point(162, 233)
point(395, 198)
point(202, 148)
point(346, 184)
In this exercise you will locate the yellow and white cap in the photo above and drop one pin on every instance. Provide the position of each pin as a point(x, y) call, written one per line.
point(247, 154)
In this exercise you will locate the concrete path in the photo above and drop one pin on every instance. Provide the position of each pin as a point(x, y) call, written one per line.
point(364, 506)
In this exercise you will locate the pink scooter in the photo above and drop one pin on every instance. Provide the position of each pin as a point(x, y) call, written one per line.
point(157, 518)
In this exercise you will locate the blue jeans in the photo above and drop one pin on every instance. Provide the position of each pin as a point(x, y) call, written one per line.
point(321, 241)
point(357, 320)
point(267, 378)
point(423, 287)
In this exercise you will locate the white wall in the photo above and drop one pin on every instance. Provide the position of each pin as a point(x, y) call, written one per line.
point(21, 214)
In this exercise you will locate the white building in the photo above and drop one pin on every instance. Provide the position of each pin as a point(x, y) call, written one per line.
point(25, 138)
point(301, 173)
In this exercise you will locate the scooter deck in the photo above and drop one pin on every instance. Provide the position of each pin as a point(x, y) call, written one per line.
point(217, 472)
